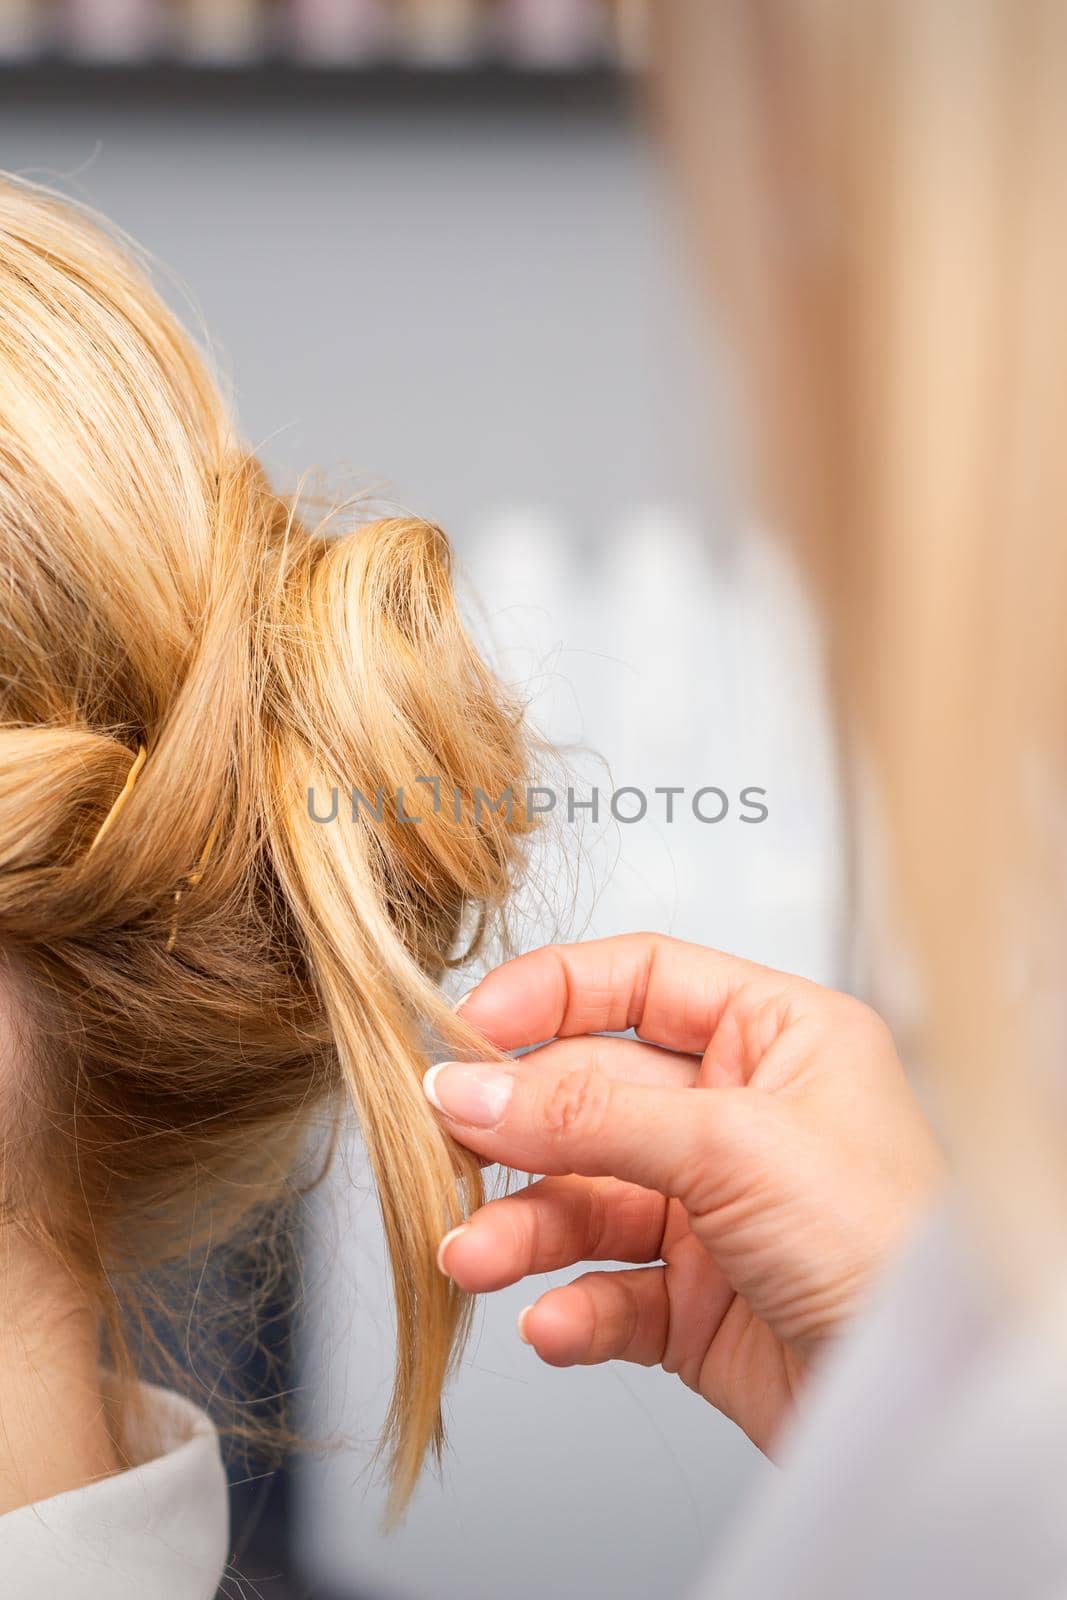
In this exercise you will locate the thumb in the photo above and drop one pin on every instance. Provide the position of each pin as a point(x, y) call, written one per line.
point(583, 1121)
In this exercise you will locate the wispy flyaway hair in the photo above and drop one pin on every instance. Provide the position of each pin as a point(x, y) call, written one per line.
point(217, 965)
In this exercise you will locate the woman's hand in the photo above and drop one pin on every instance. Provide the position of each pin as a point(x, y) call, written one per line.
point(758, 1140)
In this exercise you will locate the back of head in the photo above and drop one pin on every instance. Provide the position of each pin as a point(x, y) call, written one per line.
point(197, 966)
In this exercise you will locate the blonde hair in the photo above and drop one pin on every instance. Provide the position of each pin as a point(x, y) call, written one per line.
point(203, 971)
point(881, 186)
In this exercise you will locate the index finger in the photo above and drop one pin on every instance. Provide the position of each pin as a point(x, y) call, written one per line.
point(671, 992)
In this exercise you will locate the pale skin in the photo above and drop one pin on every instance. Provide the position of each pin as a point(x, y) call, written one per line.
point(54, 1432)
point(757, 1151)
point(54, 1428)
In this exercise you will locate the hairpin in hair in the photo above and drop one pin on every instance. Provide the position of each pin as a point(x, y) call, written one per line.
point(121, 798)
point(192, 880)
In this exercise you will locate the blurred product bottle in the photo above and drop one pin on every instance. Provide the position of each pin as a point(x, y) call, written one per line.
point(221, 32)
point(553, 33)
point(442, 33)
point(328, 31)
point(23, 29)
point(111, 30)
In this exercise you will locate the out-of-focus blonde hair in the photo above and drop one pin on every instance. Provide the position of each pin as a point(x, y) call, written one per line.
point(880, 187)
point(218, 963)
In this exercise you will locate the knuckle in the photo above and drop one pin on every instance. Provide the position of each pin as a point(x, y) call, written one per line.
point(865, 1017)
point(597, 1218)
point(527, 1240)
point(577, 1103)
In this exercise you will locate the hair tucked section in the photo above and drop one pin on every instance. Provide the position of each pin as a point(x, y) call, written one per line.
point(217, 962)
point(378, 692)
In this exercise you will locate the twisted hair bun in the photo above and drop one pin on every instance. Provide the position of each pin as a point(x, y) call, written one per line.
point(216, 963)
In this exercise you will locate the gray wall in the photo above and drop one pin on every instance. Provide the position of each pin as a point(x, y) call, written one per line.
point(453, 289)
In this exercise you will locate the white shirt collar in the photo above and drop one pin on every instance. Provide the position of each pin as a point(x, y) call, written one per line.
point(160, 1530)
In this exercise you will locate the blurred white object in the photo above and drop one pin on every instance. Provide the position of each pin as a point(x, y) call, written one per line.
point(671, 667)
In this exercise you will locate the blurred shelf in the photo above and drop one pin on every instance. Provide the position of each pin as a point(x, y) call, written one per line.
point(351, 37)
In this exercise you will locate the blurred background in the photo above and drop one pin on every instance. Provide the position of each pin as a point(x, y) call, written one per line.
point(438, 259)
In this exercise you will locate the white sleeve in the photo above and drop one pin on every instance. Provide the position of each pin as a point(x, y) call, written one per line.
point(930, 1459)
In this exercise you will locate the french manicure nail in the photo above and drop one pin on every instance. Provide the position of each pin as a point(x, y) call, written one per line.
point(453, 1233)
point(520, 1323)
point(470, 1092)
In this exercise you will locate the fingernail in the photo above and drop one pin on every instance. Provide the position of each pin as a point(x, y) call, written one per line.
point(462, 1001)
point(520, 1323)
point(469, 1092)
point(453, 1233)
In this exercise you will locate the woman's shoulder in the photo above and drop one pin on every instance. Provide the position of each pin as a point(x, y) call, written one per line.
point(161, 1528)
